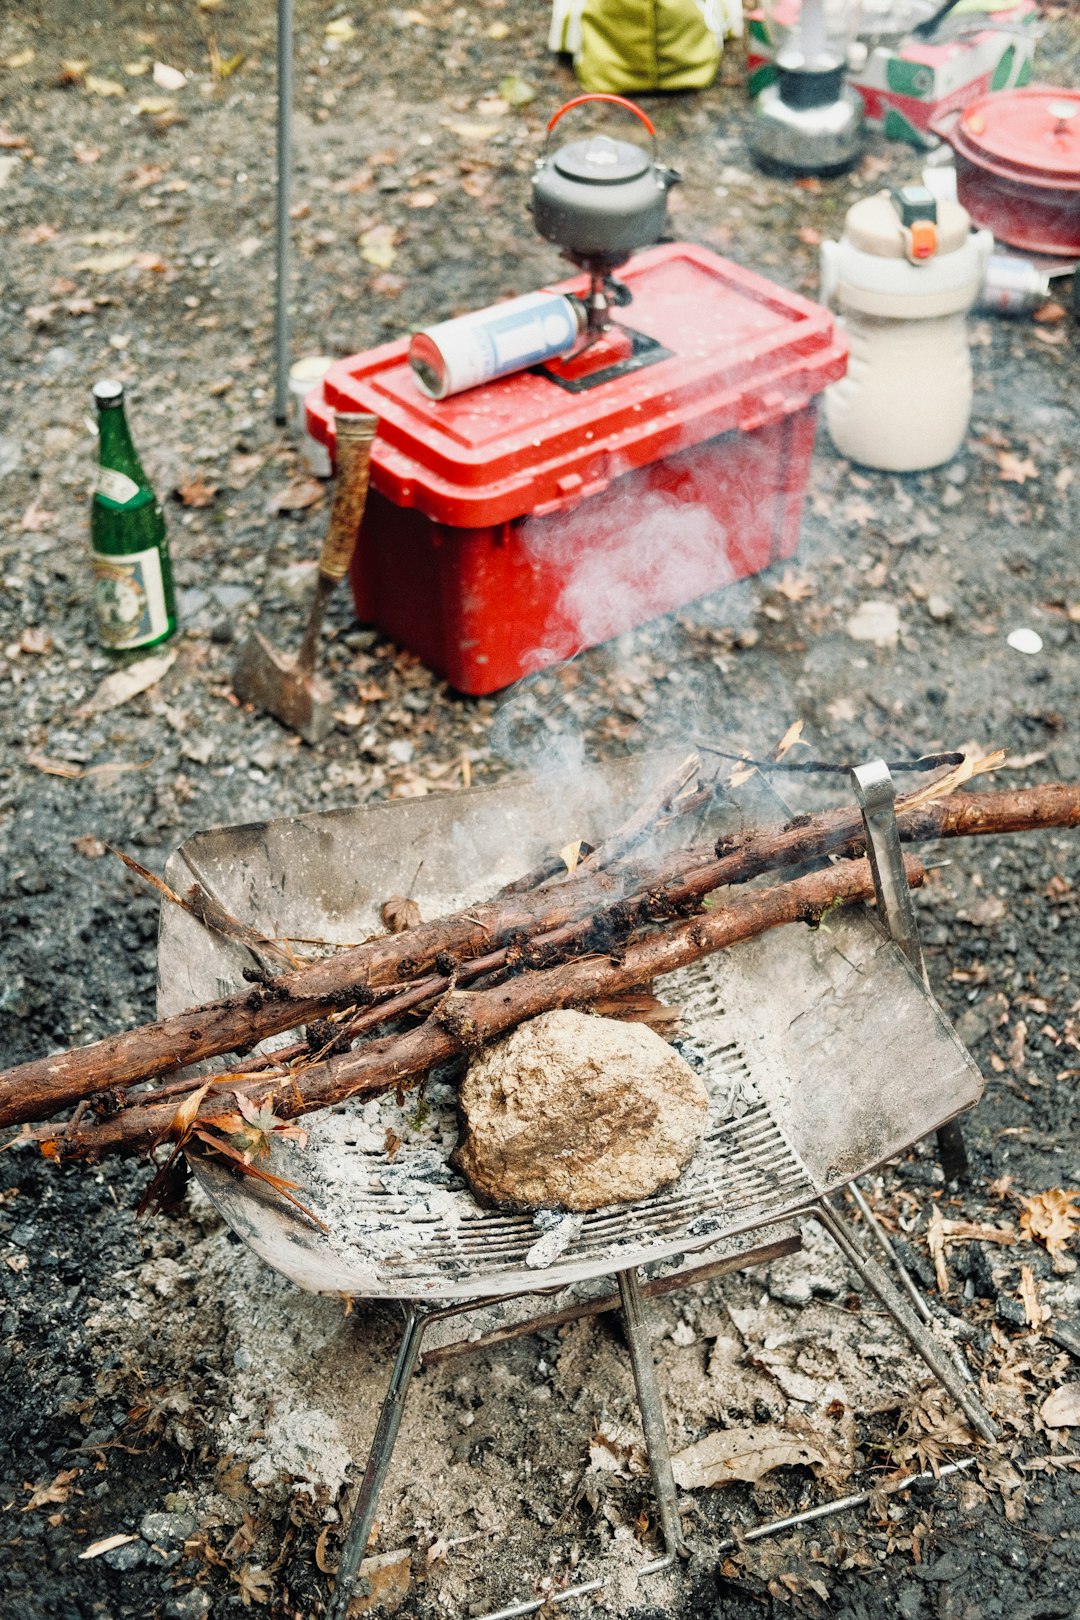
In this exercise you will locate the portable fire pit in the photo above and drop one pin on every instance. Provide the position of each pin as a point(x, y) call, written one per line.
point(823, 1053)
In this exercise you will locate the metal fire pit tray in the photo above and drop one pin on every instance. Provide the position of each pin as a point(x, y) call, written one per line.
point(822, 1051)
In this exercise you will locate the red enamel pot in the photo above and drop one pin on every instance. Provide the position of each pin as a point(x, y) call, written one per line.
point(1018, 166)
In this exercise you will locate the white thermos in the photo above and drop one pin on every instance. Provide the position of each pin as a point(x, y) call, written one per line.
point(903, 277)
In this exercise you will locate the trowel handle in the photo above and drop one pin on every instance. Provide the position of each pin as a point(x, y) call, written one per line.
point(354, 436)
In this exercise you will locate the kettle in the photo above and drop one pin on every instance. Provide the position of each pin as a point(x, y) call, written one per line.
point(601, 199)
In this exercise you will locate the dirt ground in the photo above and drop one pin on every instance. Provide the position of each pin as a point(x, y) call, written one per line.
point(158, 1382)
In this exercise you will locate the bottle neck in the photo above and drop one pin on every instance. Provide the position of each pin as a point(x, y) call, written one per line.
point(115, 446)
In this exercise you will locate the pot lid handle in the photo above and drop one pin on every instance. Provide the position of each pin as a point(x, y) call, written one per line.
point(617, 101)
point(1062, 112)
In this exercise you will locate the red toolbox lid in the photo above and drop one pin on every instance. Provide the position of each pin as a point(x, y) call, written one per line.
point(744, 352)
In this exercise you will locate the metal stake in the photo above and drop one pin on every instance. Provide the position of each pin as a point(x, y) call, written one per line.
point(652, 1414)
point(382, 1446)
point(876, 795)
point(939, 1362)
point(284, 189)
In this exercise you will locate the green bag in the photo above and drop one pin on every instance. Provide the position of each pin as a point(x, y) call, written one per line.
point(647, 44)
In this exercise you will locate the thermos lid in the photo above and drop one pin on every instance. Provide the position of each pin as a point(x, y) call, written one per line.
point(874, 226)
point(601, 161)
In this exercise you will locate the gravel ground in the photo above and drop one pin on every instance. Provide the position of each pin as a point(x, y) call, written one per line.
point(146, 1367)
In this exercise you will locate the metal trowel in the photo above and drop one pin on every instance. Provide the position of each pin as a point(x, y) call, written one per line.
point(288, 688)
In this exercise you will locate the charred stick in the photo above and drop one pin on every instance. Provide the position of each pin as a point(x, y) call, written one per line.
point(618, 843)
point(467, 1020)
point(821, 767)
point(38, 1089)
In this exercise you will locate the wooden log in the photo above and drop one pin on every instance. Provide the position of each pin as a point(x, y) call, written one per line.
point(42, 1087)
point(466, 1020)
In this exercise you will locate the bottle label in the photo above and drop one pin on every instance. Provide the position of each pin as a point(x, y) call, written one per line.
point(129, 595)
point(117, 486)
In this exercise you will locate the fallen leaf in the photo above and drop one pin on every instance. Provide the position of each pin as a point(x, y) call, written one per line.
point(102, 87)
point(72, 71)
point(17, 1262)
point(400, 913)
point(256, 1585)
point(168, 78)
point(741, 774)
point(498, 30)
point(154, 106)
point(377, 245)
point(743, 1454)
point(58, 1491)
point(13, 143)
point(1061, 1410)
point(1051, 1216)
point(89, 845)
point(473, 132)
point(124, 684)
point(617, 1453)
point(795, 587)
point(106, 264)
point(1012, 469)
point(421, 199)
point(340, 28)
point(516, 90)
point(85, 154)
point(571, 855)
point(135, 70)
point(791, 736)
point(106, 1544)
point(196, 491)
point(296, 497)
point(18, 59)
point(225, 66)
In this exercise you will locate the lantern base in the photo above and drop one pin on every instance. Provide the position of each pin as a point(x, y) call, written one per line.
point(816, 139)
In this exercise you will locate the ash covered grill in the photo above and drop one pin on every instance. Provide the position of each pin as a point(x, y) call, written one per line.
point(822, 1052)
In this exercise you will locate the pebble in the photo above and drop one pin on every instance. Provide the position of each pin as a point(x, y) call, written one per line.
point(125, 1558)
point(10, 454)
point(167, 1528)
point(940, 608)
point(876, 622)
point(194, 1604)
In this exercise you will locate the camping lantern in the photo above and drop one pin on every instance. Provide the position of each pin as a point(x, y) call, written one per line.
point(808, 120)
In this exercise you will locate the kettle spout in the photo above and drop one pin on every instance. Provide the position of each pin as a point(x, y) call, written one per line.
point(666, 177)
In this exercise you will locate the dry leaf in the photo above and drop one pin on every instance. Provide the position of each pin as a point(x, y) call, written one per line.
point(740, 774)
point(399, 913)
point(58, 1491)
point(196, 491)
point(135, 70)
point(794, 587)
point(102, 87)
point(53, 767)
point(473, 132)
point(617, 1453)
point(89, 845)
point(17, 1262)
point(18, 59)
point(377, 245)
point(746, 1454)
point(256, 1586)
point(154, 106)
point(572, 853)
point(1051, 1216)
point(791, 736)
point(421, 199)
point(339, 28)
point(297, 496)
point(124, 684)
point(1061, 1410)
point(1014, 470)
point(105, 264)
point(516, 90)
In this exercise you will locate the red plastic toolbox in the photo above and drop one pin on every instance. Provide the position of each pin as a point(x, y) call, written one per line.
point(510, 526)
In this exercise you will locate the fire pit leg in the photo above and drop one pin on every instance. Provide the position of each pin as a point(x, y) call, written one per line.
point(876, 795)
point(918, 1335)
point(652, 1417)
point(382, 1447)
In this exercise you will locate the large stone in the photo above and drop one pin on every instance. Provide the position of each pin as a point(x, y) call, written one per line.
point(572, 1111)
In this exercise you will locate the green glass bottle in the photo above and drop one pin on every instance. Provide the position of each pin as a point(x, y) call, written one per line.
point(133, 584)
